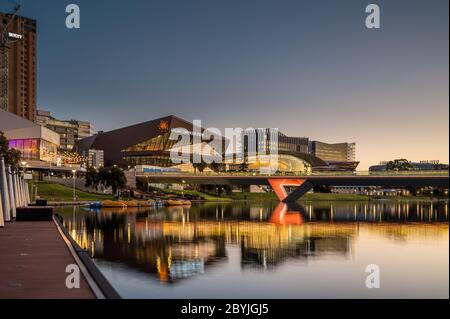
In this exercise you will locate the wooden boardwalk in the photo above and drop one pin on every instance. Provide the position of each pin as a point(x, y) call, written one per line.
point(33, 260)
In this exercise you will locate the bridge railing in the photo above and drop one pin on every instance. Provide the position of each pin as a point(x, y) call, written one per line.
point(300, 174)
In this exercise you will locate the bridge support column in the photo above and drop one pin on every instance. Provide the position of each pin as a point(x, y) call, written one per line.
point(299, 192)
point(278, 185)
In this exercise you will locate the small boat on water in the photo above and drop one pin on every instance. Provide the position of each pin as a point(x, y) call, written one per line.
point(134, 204)
point(95, 205)
point(151, 203)
point(178, 202)
point(131, 203)
point(146, 204)
point(160, 203)
point(110, 203)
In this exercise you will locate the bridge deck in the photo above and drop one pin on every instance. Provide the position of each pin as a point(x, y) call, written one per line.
point(365, 180)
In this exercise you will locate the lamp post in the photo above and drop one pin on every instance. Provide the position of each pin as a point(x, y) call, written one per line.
point(182, 187)
point(73, 185)
point(24, 167)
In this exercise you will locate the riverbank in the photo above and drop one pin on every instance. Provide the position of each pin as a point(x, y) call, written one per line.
point(59, 195)
point(247, 196)
point(328, 197)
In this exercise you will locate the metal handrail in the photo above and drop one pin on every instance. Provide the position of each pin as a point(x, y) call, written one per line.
point(356, 173)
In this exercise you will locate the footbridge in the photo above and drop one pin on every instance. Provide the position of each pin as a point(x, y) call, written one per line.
point(303, 184)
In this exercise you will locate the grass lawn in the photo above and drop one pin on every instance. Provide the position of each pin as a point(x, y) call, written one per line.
point(253, 196)
point(207, 197)
point(59, 193)
point(325, 197)
point(306, 197)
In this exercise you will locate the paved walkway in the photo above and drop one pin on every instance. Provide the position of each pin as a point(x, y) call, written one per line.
point(33, 260)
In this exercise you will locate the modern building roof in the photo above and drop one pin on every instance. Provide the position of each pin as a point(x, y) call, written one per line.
point(115, 141)
point(16, 127)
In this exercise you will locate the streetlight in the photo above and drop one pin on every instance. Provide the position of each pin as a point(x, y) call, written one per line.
point(24, 171)
point(182, 187)
point(24, 167)
point(73, 184)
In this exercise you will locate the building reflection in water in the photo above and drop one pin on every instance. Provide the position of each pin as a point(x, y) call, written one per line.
point(180, 242)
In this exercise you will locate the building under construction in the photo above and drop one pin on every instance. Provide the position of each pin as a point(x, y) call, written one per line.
point(18, 65)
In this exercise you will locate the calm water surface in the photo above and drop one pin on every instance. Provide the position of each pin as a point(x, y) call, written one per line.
point(269, 250)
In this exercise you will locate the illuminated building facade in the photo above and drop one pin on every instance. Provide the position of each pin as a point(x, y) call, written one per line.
point(149, 145)
point(94, 158)
point(266, 139)
point(338, 156)
point(35, 143)
point(297, 154)
point(143, 144)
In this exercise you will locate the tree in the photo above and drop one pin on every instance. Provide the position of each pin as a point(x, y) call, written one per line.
point(10, 156)
point(399, 165)
point(143, 186)
point(200, 166)
point(243, 167)
point(92, 178)
point(217, 167)
point(112, 177)
point(103, 176)
point(322, 189)
point(116, 179)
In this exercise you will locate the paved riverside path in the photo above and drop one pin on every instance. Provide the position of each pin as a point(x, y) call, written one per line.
point(33, 260)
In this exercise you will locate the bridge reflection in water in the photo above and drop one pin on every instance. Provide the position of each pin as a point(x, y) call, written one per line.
point(180, 242)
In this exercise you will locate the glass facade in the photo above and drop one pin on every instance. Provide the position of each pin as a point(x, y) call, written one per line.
point(159, 143)
point(48, 151)
point(160, 146)
point(35, 149)
point(152, 160)
point(267, 139)
point(331, 152)
point(155, 152)
point(29, 148)
point(282, 163)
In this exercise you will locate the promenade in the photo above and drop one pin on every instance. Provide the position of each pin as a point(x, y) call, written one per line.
point(33, 260)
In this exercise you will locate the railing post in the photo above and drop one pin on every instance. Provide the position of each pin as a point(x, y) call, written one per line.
point(24, 198)
point(27, 193)
point(4, 191)
point(16, 193)
point(2, 219)
point(19, 189)
point(12, 198)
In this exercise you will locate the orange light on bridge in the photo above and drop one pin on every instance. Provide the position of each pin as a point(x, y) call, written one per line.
point(278, 185)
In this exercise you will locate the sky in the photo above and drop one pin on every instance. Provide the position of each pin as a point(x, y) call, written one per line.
point(309, 68)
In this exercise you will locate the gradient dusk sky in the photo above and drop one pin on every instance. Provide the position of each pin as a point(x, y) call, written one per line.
point(310, 68)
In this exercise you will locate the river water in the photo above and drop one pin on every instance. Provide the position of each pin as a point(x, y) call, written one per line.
point(269, 250)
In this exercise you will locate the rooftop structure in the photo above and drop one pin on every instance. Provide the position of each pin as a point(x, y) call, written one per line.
point(35, 143)
point(70, 131)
